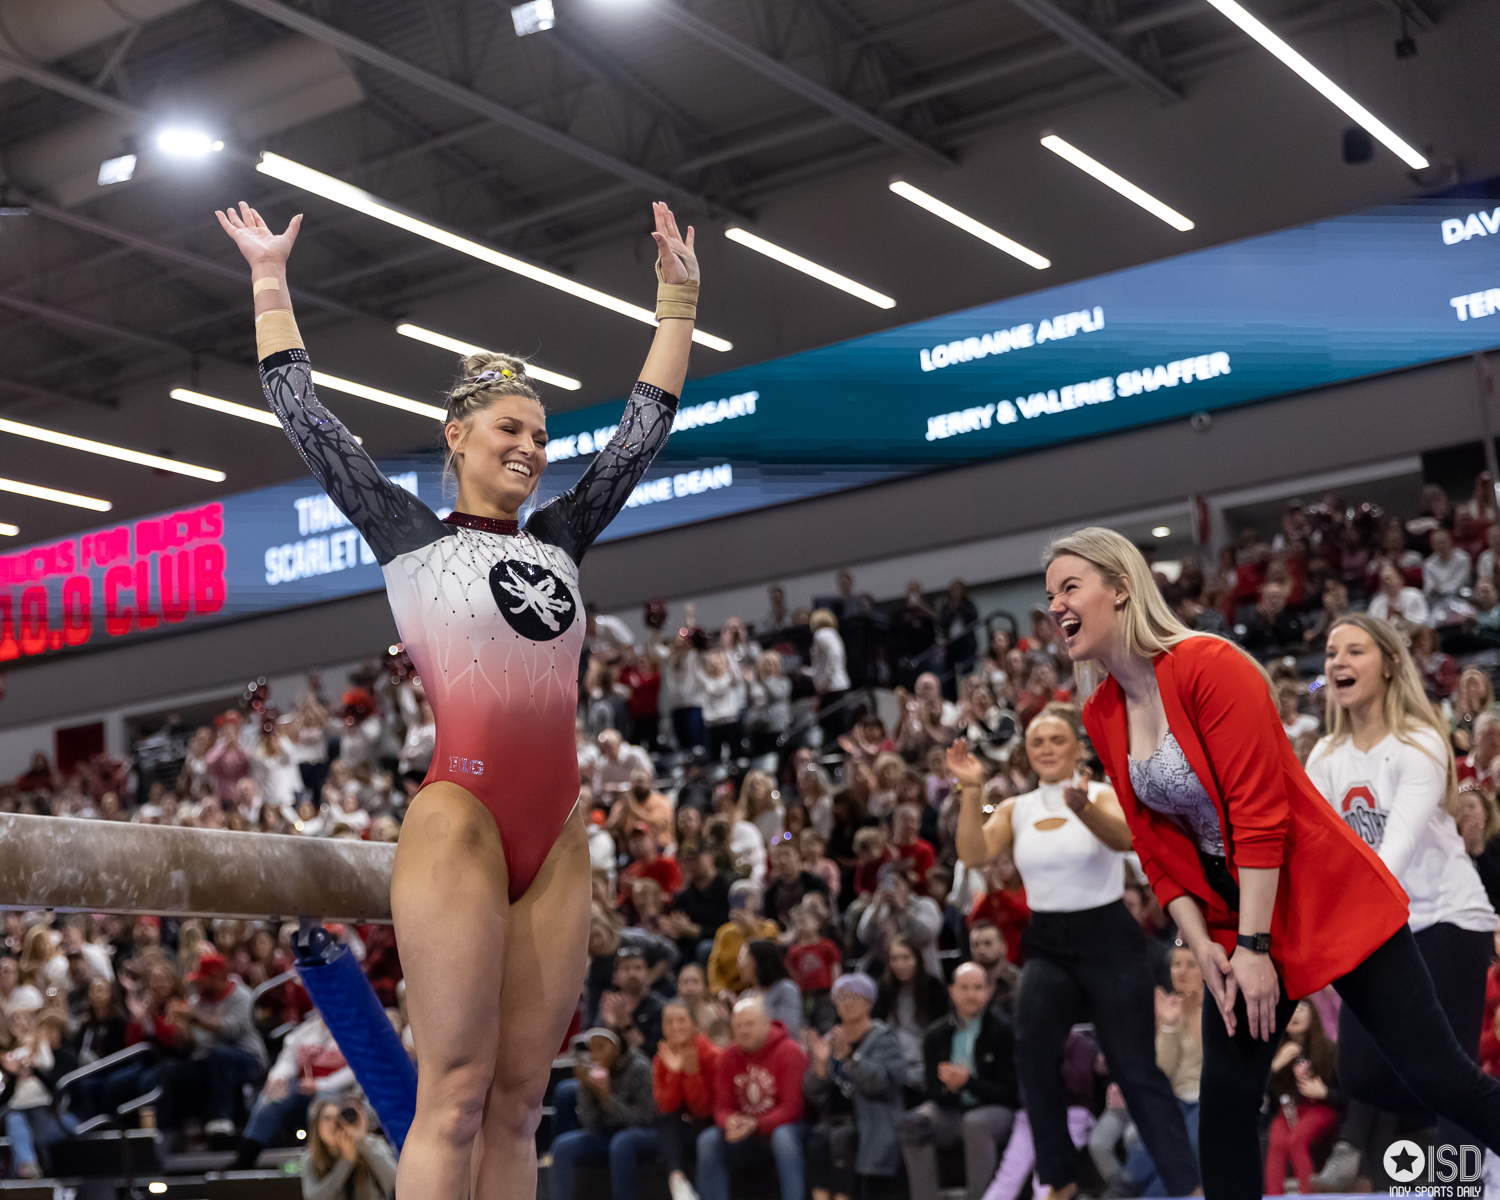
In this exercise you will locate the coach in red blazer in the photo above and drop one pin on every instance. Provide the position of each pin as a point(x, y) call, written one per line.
point(1297, 900)
point(1337, 902)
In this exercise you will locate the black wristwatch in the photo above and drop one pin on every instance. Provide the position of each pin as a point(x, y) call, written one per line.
point(1256, 943)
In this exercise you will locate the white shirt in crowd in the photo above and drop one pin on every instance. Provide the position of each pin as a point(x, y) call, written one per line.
point(1410, 604)
point(276, 772)
point(1066, 868)
point(723, 697)
point(1392, 796)
point(1441, 578)
point(828, 671)
point(1300, 724)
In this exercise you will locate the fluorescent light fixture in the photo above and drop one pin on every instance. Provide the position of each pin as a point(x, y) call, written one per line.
point(1161, 531)
point(360, 200)
point(116, 170)
point(228, 407)
point(108, 451)
point(187, 143)
point(808, 267)
point(532, 17)
point(334, 383)
point(9, 530)
point(57, 497)
point(1331, 91)
point(443, 342)
point(968, 224)
point(157, 1189)
point(1107, 177)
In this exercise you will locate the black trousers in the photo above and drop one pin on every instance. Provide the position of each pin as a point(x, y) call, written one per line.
point(1092, 966)
point(1392, 995)
point(830, 1157)
point(1458, 961)
point(677, 1139)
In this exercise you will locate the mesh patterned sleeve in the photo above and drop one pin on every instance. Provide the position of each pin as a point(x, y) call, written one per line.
point(391, 519)
point(573, 520)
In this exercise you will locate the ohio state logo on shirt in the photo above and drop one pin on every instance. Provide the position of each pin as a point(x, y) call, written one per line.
point(535, 602)
point(756, 1088)
point(1363, 815)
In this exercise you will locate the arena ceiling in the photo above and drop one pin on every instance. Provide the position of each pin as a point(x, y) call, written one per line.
point(786, 117)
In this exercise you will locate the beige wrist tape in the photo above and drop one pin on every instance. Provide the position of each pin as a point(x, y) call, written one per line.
point(268, 283)
point(276, 331)
point(675, 300)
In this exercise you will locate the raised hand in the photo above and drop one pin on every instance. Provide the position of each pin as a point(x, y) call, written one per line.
point(1076, 795)
point(254, 237)
point(963, 766)
point(678, 262)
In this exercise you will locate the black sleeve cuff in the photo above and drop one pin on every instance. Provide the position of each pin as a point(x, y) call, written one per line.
point(284, 357)
point(650, 391)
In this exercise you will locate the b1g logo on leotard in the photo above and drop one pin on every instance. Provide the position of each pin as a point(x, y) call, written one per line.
point(465, 766)
point(1363, 815)
point(536, 602)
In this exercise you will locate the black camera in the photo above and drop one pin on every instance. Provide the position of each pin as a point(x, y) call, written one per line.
point(349, 1115)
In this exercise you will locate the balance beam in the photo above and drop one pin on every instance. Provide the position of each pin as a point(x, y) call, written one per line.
point(69, 865)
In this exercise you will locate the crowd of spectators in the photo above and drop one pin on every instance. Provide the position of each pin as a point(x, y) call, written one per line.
point(787, 960)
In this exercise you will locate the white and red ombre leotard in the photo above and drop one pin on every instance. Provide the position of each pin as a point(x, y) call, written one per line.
point(491, 615)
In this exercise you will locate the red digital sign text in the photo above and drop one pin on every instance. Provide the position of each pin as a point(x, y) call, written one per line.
point(160, 571)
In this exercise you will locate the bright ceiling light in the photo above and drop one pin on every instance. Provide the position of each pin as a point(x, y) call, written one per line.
point(808, 267)
point(187, 143)
point(108, 451)
point(1107, 177)
point(1331, 91)
point(157, 1189)
point(443, 342)
point(9, 530)
point(969, 225)
point(532, 17)
point(116, 170)
point(334, 383)
point(57, 497)
point(1161, 531)
point(229, 407)
point(360, 200)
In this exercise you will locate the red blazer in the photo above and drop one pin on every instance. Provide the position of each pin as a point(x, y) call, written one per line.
point(1336, 902)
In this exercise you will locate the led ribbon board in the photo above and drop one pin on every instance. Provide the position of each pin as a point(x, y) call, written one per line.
point(1386, 289)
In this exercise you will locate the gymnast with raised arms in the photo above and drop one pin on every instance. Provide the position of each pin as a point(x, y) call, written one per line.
point(491, 886)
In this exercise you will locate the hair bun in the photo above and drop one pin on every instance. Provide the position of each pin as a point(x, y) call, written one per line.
point(502, 366)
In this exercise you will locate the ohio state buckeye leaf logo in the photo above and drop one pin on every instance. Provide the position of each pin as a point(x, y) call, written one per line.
point(535, 602)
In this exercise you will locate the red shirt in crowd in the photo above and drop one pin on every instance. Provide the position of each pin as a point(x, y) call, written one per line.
point(644, 687)
point(811, 966)
point(915, 860)
point(1009, 913)
point(677, 1091)
point(1489, 1044)
point(766, 1085)
point(664, 870)
point(867, 874)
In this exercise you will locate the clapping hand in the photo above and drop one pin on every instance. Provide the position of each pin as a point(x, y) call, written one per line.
point(738, 1127)
point(953, 1076)
point(819, 1049)
point(1309, 1084)
point(1168, 1008)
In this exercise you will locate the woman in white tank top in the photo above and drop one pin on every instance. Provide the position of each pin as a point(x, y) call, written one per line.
point(1086, 957)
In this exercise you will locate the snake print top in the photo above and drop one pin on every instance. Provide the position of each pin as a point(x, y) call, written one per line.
point(1165, 783)
point(491, 615)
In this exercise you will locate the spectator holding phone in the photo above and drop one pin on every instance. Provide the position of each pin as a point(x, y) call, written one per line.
point(614, 1100)
point(342, 1161)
